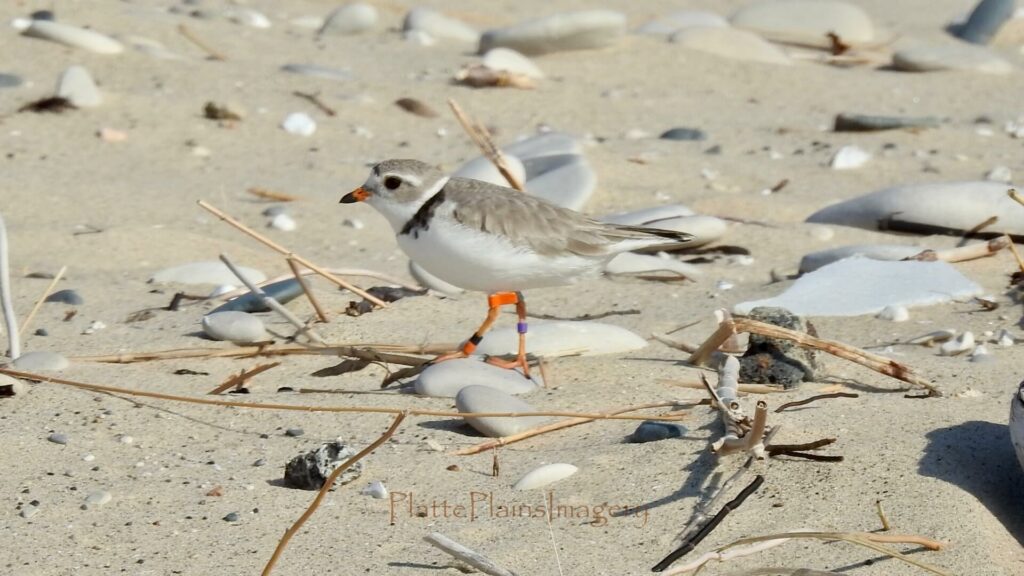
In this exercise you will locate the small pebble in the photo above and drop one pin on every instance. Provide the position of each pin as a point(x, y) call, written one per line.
point(653, 431)
point(232, 517)
point(294, 432)
point(97, 499)
point(849, 158)
point(29, 511)
point(683, 134)
point(959, 345)
point(77, 85)
point(283, 222)
point(350, 19)
point(1000, 174)
point(70, 297)
point(41, 332)
point(58, 438)
point(260, 462)
point(353, 223)
point(376, 489)
point(125, 439)
point(894, 314)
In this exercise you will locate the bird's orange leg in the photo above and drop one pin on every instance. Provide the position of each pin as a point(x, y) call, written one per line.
point(494, 303)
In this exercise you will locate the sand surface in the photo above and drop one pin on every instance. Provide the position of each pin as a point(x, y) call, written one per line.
point(943, 468)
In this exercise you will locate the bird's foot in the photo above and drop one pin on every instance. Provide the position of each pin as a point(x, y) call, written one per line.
point(519, 362)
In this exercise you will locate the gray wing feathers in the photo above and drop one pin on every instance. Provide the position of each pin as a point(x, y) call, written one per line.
point(543, 227)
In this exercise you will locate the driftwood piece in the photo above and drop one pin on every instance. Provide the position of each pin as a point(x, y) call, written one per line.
point(880, 364)
point(463, 554)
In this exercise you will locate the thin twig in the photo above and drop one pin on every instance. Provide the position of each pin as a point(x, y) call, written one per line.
point(272, 195)
point(879, 364)
point(42, 298)
point(1015, 196)
point(389, 353)
point(191, 36)
point(10, 320)
point(742, 388)
point(506, 440)
point(705, 530)
point(483, 140)
point(814, 398)
point(271, 303)
point(328, 484)
point(320, 314)
point(1016, 254)
point(965, 253)
point(460, 552)
point(881, 516)
point(774, 449)
point(316, 101)
point(809, 456)
point(340, 409)
point(282, 250)
point(242, 377)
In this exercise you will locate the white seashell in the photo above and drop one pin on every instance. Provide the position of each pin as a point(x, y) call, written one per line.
point(544, 475)
point(849, 157)
point(73, 36)
point(299, 123)
point(511, 61)
point(959, 345)
point(283, 222)
point(981, 354)
point(376, 489)
point(894, 314)
point(248, 17)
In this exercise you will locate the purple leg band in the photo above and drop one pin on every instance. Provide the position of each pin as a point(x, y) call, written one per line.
point(521, 327)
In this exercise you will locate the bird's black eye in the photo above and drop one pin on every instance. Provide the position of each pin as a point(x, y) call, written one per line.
point(392, 182)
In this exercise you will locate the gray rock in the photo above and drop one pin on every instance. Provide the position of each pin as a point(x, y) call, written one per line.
point(29, 510)
point(775, 361)
point(952, 56)
point(309, 471)
point(43, 15)
point(806, 21)
point(680, 20)
point(40, 361)
point(70, 297)
point(350, 19)
point(58, 438)
point(447, 378)
point(985, 20)
point(207, 272)
point(10, 81)
point(294, 432)
point(73, 36)
point(284, 291)
point(559, 32)
point(78, 87)
point(439, 26)
point(97, 499)
point(652, 431)
point(235, 326)
point(232, 517)
point(484, 399)
point(684, 134)
point(731, 43)
point(318, 71)
point(847, 122)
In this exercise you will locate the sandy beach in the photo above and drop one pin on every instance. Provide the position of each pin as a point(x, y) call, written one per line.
point(116, 210)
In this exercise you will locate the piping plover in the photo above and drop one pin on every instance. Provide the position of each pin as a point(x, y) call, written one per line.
point(486, 238)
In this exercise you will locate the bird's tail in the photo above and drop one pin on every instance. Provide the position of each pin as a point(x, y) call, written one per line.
point(670, 236)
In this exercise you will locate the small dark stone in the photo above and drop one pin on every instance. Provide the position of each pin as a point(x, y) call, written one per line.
point(865, 123)
point(232, 517)
point(652, 431)
point(66, 297)
point(58, 438)
point(714, 150)
point(43, 15)
point(775, 361)
point(294, 432)
point(260, 462)
point(10, 81)
point(41, 332)
point(284, 292)
point(309, 471)
point(683, 134)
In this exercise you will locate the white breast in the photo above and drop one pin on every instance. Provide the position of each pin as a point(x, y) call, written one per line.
point(475, 260)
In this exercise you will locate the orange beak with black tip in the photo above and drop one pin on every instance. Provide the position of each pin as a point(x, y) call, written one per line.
point(357, 195)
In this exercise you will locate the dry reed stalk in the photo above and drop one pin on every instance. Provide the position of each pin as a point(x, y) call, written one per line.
point(328, 484)
point(273, 304)
point(272, 195)
point(865, 539)
point(1016, 254)
point(320, 314)
point(42, 298)
point(506, 440)
point(742, 388)
point(191, 37)
point(316, 101)
point(334, 409)
point(282, 250)
point(389, 353)
point(879, 364)
point(965, 253)
point(482, 138)
point(806, 401)
point(242, 377)
point(881, 516)
point(337, 272)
